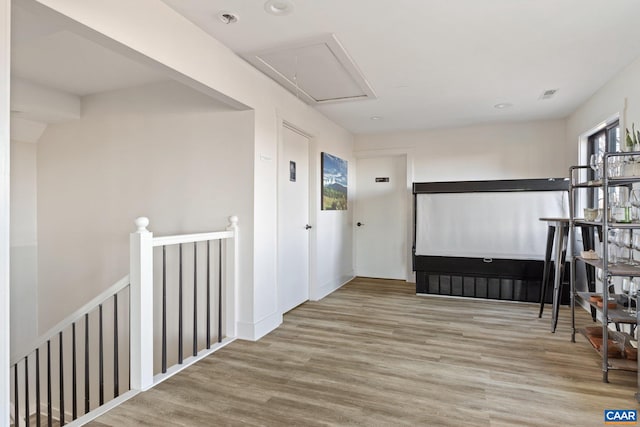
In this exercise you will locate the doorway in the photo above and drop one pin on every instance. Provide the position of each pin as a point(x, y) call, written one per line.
point(381, 217)
point(293, 219)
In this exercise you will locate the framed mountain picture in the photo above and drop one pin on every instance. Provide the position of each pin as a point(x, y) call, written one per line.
point(334, 183)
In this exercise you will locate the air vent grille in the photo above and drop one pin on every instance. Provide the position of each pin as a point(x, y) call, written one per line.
point(549, 93)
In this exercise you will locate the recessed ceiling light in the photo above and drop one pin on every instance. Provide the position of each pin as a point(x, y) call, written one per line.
point(503, 105)
point(228, 17)
point(279, 7)
point(375, 118)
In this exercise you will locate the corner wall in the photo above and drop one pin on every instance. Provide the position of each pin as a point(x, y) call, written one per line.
point(621, 95)
point(24, 264)
point(5, 72)
point(139, 29)
point(162, 151)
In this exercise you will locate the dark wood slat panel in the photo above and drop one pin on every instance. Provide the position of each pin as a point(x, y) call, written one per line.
point(116, 350)
point(100, 358)
point(208, 294)
point(87, 378)
point(219, 290)
point(49, 402)
point(74, 374)
point(26, 392)
point(38, 419)
point(180, 355)
point(195, 299)
point(16, 394)
point(164, 309)
point(61, 409)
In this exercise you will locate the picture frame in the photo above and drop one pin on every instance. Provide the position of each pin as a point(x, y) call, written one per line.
point(334, 183)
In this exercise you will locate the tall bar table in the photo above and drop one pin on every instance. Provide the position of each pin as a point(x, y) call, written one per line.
point(557, 239)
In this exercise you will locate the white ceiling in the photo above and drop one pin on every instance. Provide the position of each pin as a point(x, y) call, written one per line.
point(78, 66)
point(446, 63)
point(44, 52)
point(53, 67)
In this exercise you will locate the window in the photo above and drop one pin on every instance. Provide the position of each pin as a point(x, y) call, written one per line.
point(605, 140)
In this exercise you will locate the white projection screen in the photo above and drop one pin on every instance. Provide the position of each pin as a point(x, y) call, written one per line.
point(487, 224)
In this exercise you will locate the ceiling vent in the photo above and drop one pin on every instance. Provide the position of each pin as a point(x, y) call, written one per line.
point(316, 70)
point(548, 94)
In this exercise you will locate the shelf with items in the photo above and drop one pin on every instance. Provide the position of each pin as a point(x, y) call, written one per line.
point(619, 314)
point(615, 258)
point(621, 354)
point(617, 225)
point(621, 269)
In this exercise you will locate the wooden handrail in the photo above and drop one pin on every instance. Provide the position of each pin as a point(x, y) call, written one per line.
point(74, 317)
point(190, 238)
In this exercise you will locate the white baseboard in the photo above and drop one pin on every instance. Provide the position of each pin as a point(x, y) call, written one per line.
point(330, 287)
point(254, 331)
point(95, 413)
point(158, 378)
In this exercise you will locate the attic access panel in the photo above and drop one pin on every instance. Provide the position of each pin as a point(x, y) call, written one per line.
point(316, 70)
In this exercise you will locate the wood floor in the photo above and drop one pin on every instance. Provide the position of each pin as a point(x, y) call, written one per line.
point(375, 354)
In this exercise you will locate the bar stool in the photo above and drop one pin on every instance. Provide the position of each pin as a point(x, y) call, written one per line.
point(557, 239)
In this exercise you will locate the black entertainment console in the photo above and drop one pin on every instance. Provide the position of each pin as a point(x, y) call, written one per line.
point(504, 278)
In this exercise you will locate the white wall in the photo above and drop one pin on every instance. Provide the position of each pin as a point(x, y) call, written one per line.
point(332, 240)
point(24, 267)
point(162, 151)
point(5, 71)
point(507, 151)
point(620, 96)
point(186, 50)
point(485, 152)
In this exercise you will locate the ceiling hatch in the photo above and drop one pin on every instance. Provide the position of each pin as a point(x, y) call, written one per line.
point(316, 70)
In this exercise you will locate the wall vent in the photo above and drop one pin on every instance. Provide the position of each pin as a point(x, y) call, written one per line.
point(548, 94)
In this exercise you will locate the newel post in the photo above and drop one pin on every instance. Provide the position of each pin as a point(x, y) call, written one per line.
point(141, 277)
point(232, 259)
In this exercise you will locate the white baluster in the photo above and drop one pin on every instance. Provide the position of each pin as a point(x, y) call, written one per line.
point(232, 259)
point(141, 276)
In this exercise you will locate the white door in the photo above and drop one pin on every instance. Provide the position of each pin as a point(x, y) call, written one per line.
point(381, 218)
point(293, 220)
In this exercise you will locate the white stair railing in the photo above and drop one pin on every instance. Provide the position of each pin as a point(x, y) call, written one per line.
point(204, 291)
point(64, 378)
point(69, 370)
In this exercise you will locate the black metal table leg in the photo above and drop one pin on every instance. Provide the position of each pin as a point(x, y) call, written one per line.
point(561, 255)
point(547, 266)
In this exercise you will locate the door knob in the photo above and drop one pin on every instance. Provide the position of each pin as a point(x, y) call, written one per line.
point(306, 227)
point(359, 224)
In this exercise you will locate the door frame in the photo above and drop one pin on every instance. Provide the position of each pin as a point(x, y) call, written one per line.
point(5, 140)
point(282, 123)
point(407, 153)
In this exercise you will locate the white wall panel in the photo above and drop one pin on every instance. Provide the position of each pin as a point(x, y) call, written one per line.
point(189, 55)
point(619, 97)
point(5, 58)
point(181, 163)
point(24, 265)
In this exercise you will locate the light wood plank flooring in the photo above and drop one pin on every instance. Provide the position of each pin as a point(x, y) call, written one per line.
point(374, 354)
